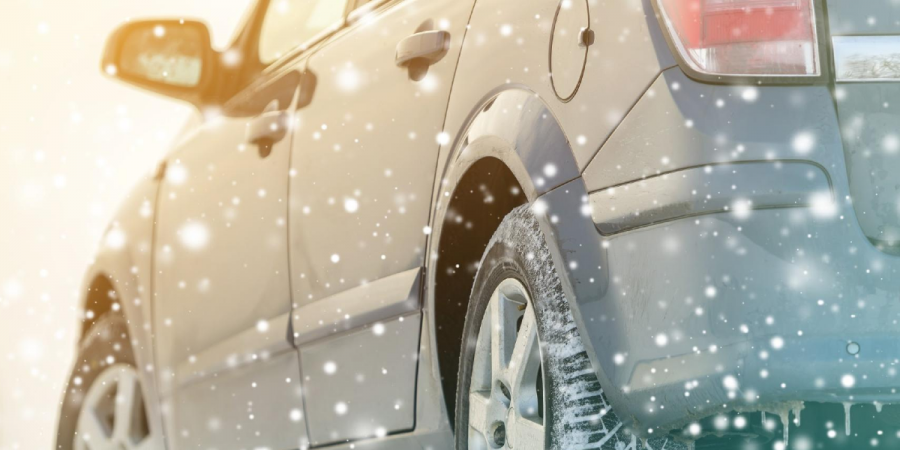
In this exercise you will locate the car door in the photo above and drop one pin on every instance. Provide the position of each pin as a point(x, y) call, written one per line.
point(222, 288)
point(365, 151)
point(230, 376)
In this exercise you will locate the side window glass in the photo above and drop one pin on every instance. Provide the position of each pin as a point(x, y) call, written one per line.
point(291, 23)
point(361, 3)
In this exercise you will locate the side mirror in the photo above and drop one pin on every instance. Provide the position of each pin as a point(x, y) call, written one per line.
point(170, 57)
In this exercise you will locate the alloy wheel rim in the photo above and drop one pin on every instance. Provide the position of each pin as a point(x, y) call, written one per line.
point(112, 414)
point(505, 404)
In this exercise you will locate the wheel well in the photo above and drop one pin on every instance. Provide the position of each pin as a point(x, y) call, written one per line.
point(486, 193)
point(101, 296)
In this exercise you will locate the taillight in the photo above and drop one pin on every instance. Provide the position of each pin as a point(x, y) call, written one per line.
point(744, 37)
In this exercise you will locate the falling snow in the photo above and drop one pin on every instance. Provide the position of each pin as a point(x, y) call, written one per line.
point(738, 304)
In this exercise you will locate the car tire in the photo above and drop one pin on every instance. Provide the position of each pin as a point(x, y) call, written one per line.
point(517, 270)
point(104, 378)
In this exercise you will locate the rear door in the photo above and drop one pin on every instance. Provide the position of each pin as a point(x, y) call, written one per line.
point(364, 162)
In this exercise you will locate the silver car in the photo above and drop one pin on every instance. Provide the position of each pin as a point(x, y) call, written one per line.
point(520, 224)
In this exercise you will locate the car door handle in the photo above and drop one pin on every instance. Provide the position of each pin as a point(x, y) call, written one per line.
point(427, 46)
point(267, 129)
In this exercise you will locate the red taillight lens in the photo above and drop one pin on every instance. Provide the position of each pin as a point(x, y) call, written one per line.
point(744, 37)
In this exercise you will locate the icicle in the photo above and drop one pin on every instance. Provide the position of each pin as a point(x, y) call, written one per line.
point(797, 410)
point(785, 416)
point(764, 418)
point(690, 445)
point(847, 406)
point(878, 406)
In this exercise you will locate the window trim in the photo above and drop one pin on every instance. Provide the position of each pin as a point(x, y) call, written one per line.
point(301, 49)
point(248, 37)
point(359, 12)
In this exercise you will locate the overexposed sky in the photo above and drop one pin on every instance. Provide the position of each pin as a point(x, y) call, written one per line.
point(72, 143)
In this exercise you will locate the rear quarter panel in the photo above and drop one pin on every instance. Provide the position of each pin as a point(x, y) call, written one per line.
point(505, 64)
point(508, 46)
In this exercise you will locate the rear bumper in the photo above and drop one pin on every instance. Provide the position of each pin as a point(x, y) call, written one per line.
point(751, 309)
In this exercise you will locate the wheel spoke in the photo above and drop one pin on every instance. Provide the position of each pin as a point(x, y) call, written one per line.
point(503, 391)
point(92, 432)
point(479, 406)
point(482, 365)
point(499, 334)
point(524, 366)
point(112, 415)
point(527, 435)
point(486, 411)
point(151, 442)
point(127, 390)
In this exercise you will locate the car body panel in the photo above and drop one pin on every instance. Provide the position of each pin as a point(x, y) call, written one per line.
point(680, 123)
point(351, 375)
point(499, 58)
point(517, 127)
point(383, 299)
point(355, 175)
point(124, 258)
point(509, 46)
point(729, 294)
point(221, 197)
point(518, 130)
point(359, 201)
point(869, 131)
point(257, 405)
point(432, 429)
point(709, 189)
point(239, 350)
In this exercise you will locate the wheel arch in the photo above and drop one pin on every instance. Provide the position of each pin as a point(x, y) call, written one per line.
point(99, 296)
point(118, 279)
point(109, 285)
point(120, 274)
point(115, 283)
point(511, 151)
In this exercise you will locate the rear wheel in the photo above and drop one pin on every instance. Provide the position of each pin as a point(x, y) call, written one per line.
point(525, 379)
point(505, 398)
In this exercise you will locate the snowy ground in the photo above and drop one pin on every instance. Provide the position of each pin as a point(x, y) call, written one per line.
point(71, 145)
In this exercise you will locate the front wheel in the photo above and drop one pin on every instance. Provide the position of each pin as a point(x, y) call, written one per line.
point(525, 379)
point(103, 407)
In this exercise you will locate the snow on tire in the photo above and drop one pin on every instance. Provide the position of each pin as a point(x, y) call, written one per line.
point(575, 413)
